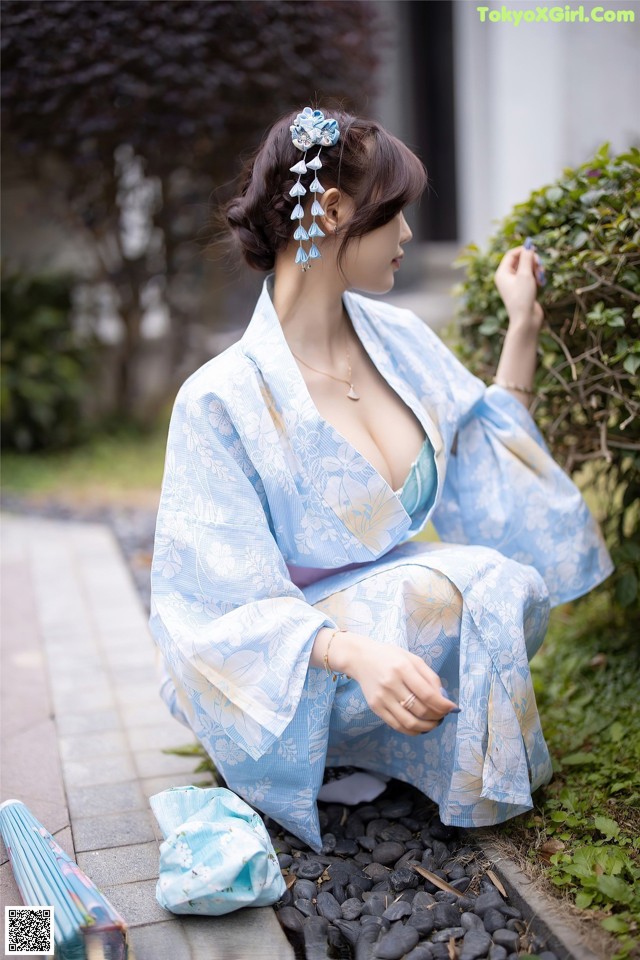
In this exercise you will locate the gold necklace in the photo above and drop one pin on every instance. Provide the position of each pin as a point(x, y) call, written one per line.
point(352, 392)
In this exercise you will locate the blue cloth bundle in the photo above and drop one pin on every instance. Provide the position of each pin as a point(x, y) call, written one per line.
point(216, 856)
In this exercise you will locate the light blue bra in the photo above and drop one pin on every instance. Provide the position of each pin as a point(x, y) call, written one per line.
point(419, 488)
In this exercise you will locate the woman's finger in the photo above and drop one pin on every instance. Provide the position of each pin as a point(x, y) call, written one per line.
point(405, 722)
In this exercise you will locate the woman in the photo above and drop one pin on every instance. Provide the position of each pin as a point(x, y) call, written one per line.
point(300, 626)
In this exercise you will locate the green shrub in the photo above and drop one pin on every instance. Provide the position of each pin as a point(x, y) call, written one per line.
point(44, 370)
point(586, 227)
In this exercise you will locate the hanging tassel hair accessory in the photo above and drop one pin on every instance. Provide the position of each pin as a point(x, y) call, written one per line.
point(310, 128)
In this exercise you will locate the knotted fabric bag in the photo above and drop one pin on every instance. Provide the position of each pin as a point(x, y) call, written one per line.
point(216, 856)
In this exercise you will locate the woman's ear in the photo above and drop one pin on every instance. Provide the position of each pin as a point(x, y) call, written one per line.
point(331, 204)
point(338, 210)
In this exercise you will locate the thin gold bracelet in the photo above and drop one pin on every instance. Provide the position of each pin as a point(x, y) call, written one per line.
point(514, 386)
point(325, 659)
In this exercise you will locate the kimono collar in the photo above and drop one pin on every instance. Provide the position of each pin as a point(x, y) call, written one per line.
point(342, 476)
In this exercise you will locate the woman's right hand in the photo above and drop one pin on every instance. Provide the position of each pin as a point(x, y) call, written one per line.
point(388, 675)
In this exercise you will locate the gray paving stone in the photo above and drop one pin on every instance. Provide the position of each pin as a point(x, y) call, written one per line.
point(145, 714)
point(137, 903)
point(106, 798)
point(250, 932)
point(159, 940)
point(83, 699)
point(113, 830)
point(130, 694)
point(70, 724)
point(124, 675)
point(153, 763)
point(157, 784)
point(162, 735)
point(87, 746)
point(127, 657)
point(135, 862)
point(86, 773)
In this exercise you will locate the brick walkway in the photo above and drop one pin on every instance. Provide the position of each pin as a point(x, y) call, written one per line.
point(83, 730)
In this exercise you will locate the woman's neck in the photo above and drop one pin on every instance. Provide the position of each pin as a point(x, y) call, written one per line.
point(310, 309)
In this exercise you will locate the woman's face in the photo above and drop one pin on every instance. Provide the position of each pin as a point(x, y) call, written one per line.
point(371, 261)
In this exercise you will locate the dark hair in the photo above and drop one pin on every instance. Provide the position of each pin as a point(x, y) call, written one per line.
point(379, 172)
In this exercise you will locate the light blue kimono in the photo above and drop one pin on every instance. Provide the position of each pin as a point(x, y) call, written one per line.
point(272, 525)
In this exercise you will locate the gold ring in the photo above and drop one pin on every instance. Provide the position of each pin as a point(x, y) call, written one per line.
point(408, 702)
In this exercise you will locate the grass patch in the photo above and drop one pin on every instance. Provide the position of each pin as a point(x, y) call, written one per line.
point(109, 467)
point(584, 833)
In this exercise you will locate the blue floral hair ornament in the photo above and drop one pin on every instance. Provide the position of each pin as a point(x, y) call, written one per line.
point(311, 128)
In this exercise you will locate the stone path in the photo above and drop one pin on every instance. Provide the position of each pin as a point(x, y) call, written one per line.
point(83, 730)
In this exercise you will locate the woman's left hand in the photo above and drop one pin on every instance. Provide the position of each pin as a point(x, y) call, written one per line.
point(516, 279)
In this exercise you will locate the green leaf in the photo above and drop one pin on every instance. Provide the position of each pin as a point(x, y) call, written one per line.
point(616, 732)
point(578, 759)
point(584, 899)
point(615, 925)
point(489, 325)
point(626, 588)
point(614, 889)
point(607, 826)
point(631, 363)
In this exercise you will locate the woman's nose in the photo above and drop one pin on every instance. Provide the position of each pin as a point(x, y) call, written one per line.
point(405, 234)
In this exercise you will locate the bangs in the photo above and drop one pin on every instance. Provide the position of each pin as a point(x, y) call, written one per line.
point(392, 177)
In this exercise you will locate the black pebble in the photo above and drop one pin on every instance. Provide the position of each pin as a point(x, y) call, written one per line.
point(508, 939)
point(396, 943)
point(304, 890)
point(443, 936)
point(395, 831)
point(497, 953)
point(422, 952)
point(476, 943)
point(422, 900)
point(306, 908)
point(363, 858)
point(352, 891)
point(351, 908)
point(316, 931)
point(350, 930)
point(309, 869)
point(422, 921)
point(397, 809)
point(328, 843)
point(291, 919)
point(397, 910)
point(445, 915)
point(387, 852)
point(470, 921)
point(339, 873)
point(374, 907)
point(338, 892)
point(487, 900)
point(493, 920)
point(327, 906)
point(376, 872)
point(285, 860)
point(367, 843)
point(346, 848)
point(403, 879)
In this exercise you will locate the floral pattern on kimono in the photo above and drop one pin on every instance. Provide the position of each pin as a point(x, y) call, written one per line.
point(272, 525)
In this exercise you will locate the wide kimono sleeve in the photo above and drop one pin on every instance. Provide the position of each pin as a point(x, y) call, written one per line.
point(503, 489)
point(235, 633)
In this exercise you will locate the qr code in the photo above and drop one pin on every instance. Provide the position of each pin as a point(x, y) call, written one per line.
point(28, 931)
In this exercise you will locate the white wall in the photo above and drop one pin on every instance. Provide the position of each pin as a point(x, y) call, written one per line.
point(534, 99)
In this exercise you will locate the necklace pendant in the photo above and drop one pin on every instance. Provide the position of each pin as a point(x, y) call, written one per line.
point(352, 393)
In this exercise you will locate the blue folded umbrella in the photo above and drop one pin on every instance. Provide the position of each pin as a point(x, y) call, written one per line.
point(85, 923)
point(217, 855)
